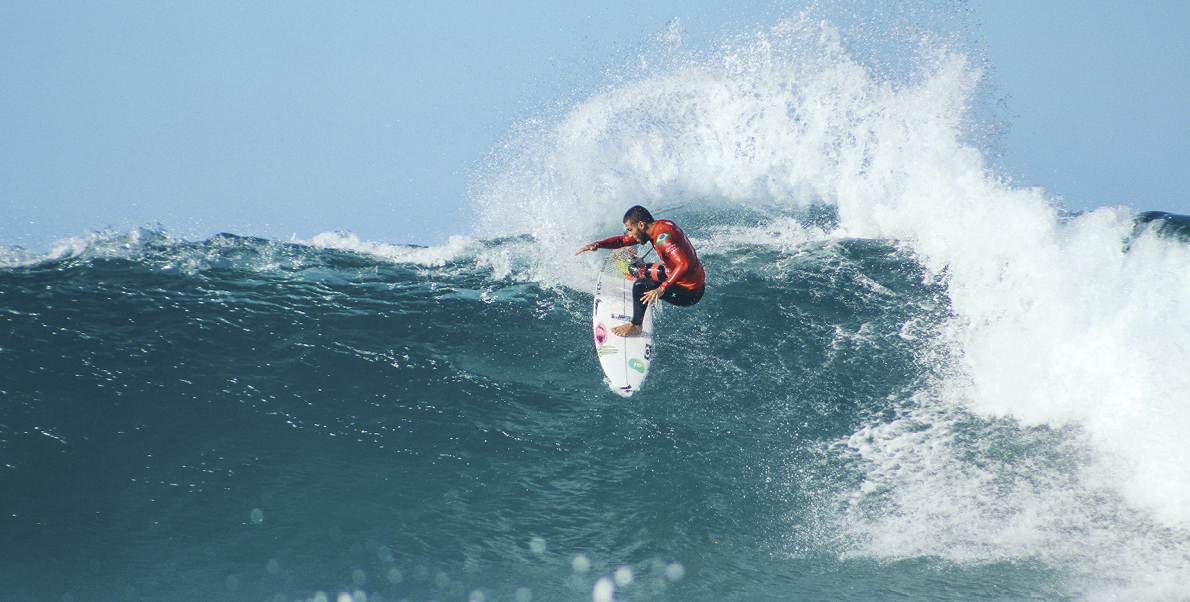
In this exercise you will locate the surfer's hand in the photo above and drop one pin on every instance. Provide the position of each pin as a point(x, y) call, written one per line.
point(651, 297)
point(590, 247)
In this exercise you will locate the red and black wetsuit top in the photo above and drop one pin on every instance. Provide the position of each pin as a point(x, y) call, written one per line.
point(675, 252)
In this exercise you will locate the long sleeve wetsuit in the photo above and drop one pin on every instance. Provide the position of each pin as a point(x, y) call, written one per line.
point(680, 273)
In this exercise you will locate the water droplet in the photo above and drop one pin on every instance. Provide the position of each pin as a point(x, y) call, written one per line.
point(477, 596)
point(395, 576)
point(624, 576)
point(273, 567)
point(604, 590)
point(581, 564)
point(359, 577)
point(384, 554)
point(257, 516)
point(524, 594)
point(675, 572)
point(537, 545)
point(233, 583)
point(344, 597)
point(442, 580)
point(359, 595)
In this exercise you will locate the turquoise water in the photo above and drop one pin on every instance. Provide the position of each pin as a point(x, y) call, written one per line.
point(242, 419)
point(364, 409)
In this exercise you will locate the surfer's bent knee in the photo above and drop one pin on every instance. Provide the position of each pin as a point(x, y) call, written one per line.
point(674, 295)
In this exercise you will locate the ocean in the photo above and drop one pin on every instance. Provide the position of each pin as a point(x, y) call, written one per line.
point(909, 379)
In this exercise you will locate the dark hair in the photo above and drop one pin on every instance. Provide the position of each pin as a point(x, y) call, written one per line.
point(638, 214)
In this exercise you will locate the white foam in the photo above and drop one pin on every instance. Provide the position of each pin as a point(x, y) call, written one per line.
point(1058, 322)
point(98, 244)
point(169, 253)
point(783, 233)
point(455, 247)
point(15, 257)
point(937, 485)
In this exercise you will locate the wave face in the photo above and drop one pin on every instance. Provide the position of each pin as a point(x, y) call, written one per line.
point(907, 378)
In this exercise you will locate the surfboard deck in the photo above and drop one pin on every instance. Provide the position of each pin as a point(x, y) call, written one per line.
point(625, 360)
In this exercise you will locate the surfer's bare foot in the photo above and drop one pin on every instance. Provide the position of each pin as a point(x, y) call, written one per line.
point(627, 330)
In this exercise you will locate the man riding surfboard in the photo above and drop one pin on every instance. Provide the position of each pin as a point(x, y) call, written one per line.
point(679, 278)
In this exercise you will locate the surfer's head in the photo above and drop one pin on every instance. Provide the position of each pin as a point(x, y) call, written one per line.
point(638, 214)
point(638, 221)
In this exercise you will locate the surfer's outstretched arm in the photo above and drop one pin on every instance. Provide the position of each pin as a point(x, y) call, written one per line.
point(614, 242)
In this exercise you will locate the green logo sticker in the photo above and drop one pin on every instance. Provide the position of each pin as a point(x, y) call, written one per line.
point(663, 237)
point(637, 365)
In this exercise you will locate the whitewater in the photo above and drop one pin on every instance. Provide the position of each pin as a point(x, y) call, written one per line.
point(909, 378)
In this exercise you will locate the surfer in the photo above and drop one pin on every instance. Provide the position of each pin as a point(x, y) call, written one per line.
point(679, 278)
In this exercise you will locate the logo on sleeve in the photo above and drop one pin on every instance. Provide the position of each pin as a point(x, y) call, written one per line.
point(664, 236)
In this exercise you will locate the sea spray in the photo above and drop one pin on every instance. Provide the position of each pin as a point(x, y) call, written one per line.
point(1060, 322)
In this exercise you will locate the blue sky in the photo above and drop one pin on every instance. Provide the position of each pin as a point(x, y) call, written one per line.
point(293, 118)
point(1100, 92)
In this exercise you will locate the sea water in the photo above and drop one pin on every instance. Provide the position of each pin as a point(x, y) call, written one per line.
point(908, 379)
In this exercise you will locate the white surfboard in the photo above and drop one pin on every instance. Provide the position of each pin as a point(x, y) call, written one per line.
point(625, 360)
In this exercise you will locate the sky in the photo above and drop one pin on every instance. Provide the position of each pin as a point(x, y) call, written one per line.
point(288, 118)
point(1099, 92)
